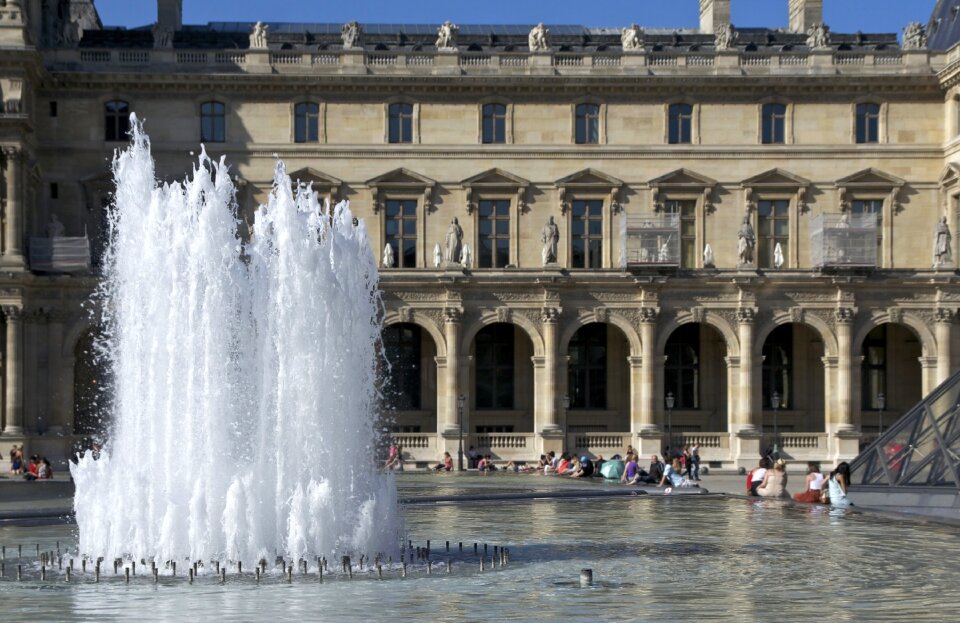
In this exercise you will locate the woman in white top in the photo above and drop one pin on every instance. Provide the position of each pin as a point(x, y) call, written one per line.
point(837, 486)
point(756, 476)
point(815, 482)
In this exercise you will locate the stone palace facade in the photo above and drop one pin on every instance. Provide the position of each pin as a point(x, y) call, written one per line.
point(727, 237)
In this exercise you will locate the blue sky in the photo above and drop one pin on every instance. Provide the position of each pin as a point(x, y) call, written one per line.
point(841, 15)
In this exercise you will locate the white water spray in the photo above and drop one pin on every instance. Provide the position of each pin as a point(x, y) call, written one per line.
point(243, 414)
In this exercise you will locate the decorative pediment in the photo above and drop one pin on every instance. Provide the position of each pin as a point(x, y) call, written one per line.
point(950, 176)
point(870, 180)
point(683, 180)
point(322, 183)
point(495, 180)
point(776, 179)
point(589, 180)
point(402, 180)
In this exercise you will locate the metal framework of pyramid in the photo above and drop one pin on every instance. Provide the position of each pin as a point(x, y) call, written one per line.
point(922, 449)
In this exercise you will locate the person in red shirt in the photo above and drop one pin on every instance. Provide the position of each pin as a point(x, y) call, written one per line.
point(33, 472)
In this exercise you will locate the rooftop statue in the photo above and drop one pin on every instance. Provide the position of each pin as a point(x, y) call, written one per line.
point(162, 37)
point(726, 37)
point(631, 38)
point(447, 36)
point(818, 37)
point(914, 36)
point(350, 34)
point(258, 36)
point(537, 39)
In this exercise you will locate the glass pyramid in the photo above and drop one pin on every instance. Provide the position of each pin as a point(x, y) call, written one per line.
point(921, 449)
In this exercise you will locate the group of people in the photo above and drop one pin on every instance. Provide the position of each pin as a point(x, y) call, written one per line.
point(769, 480)
point(39, 467)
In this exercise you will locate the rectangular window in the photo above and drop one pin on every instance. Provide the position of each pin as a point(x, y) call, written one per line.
point(587, 368)
point(588, 124)
point(54, 190)
point(687, 209)
point(494, 123)
point(116, 120)
point(774, 124)
point(680, 124)
point(868, 123)
point(586, 234)
point(773, 228)
point(874, 369)
point(400, 229)
point(400, 123)
point(494, 367)
point(53, 109)
point(213, 122)
point(306, 122)
point(875, 207)
point(494, 233)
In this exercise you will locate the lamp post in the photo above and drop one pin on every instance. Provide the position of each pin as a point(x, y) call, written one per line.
point(670, 402)
point(775, 403)
point(460, 400)
point(881, 404)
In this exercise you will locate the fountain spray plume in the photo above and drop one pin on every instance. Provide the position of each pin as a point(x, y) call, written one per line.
point(243, 411)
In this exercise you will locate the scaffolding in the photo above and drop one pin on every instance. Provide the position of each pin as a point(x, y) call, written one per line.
point(843, 240)
point(652, 240)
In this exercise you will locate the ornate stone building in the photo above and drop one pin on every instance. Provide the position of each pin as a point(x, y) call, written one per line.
point(747, 244)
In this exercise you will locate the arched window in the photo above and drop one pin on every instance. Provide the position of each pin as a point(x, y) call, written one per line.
point(587, 124)
point(400, 123)
point(587, 384)
point(680, 124)
point(213, 124)
point(778, 366)
point(494, 123)
point(868, 123)
point(495, 372)
point(116, 120)
point(401, 345)
point(306, 122)
point(773, 124)
point(681, 375)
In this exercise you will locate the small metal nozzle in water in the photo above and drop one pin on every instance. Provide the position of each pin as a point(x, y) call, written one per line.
point(586, 577)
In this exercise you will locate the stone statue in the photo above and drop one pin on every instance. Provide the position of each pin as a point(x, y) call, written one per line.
point(454, 242)
point(54, 227)
point(437, 256)
point(537, 39)
point(162, 37)
point(447, 36)
point(388, 256)
point(549, 236)
point(778, 256)
point(726, 37)
point(631, 38)
point(258, 36)
point(350, 34)
point(942, 254)
point(466, 257)
point(844, 222)
point(746, 241)
point(708, 255)
point(914, 36)
point(818, 37)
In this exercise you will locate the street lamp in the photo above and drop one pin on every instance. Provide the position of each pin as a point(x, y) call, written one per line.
point(775, 403)
point(881, 404)
point(460, 400)
point(670, 403)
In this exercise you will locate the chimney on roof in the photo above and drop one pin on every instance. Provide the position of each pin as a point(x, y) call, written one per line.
point(712, 14)
point(804, 14)
point(169, 15)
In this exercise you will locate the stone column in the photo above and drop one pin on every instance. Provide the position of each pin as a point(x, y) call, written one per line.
point(636, 392)
point(844, 318)
point(13, 228)
point(13, 367)
point(548, 394)
point(747, 418)
point(944, 318)
point(648, 343)
point(449, 415)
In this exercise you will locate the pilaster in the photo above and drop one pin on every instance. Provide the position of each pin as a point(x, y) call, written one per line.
point(747, 419)
point(12, 258)
point(648, 420)
point(448, 418)
point(13, 369)
point(844, 317)
point(944, 320)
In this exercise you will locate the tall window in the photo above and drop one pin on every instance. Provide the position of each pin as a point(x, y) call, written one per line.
point(778, 366)
point(774, 124)
point(680, 124)
point(306, 122)
point(494, 123)
point(213, 122)
point(495, 369)
point(588, 124)
point(868, 123)
point(773, 228)
point(116, 120)
point(588, 367)
point(874, 381)
point(687, 209)
point(875, 207)
point(400, 227)
point(681, 373)
point(401, 345)
point(586, 234)
point(400, 123)
point(494, 237)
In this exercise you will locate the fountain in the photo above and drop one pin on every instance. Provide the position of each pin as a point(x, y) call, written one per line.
point(243, 424)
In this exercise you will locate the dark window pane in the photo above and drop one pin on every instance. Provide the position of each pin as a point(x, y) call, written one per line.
point(578, 253)
point(494, 374)
point(401, 344)
point(587, 367)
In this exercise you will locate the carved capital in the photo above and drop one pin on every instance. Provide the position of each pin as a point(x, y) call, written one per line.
point(697, 313)
point(503, 314)
point(649, 314)
point(746, 315)
point(601, 314)
point(895, 314)
point(942, 314)
point(451, 314)
point(549, 315)
point(12, 153)
point(405, 314)
point(12, 312)
point(796, 315)
point(844, 315)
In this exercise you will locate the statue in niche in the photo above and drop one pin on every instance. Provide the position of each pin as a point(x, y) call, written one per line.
point(350, 34)
point(162, 37)
point(726, 37)
point(454, 242)
point(447, 36)
point(55, 228)
point(942, 253)
point(746, 241)
point(466, 257)
point(914, 36)
point(631, 38)
point(818, 37)
point(550, 237)
point(258, 36)
point(537, 39)
point(437, 256)
point(388, 256)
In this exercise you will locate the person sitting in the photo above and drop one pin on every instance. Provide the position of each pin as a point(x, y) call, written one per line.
point(631, 470)
point(550, 467)
point(474, 456)
point(563, 465)
point(755, 477)
point(44, 471)
point(774, 484)
point(837, 486)
point(672, 475)
point(16, 461)
point(585, 470)
point(597, 465)
point(815, 480)
point(33, 472)
point(485, 464)
point(394, 458)
point(445, 465)
point(655, 472)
